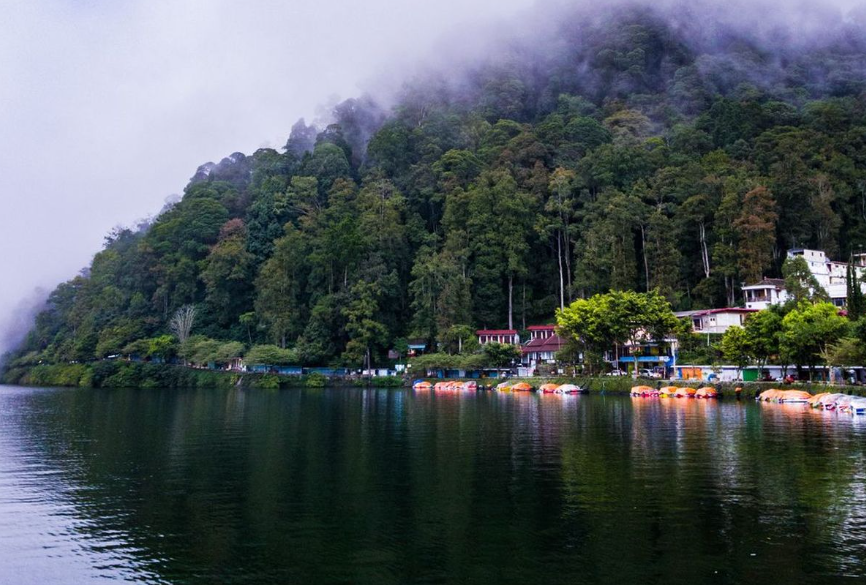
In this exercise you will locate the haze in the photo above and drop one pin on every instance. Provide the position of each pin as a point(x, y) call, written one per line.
point(107, 108)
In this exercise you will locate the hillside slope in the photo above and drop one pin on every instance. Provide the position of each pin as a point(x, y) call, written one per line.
point(634, 149)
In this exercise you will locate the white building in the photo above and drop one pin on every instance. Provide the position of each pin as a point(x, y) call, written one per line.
point(717, 320)
point(761, 295)
point(830, 274)
point(486, 336)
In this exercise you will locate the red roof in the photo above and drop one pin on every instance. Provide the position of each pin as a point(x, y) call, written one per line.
point(496, 332)
point(728, 310)
point(541, 328)
point(538, 345)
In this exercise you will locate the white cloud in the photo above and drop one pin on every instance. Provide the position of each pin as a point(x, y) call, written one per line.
point(107, 107)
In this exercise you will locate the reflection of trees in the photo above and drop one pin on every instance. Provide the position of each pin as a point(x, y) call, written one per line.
point(392, 486)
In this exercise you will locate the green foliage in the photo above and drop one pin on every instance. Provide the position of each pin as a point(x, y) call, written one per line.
point(809, 331)
point(501, 355)
point(316, 380)
point(270, 355)
point(661, 167)
point(736, 348)
point(800, 283)
point(617, 318)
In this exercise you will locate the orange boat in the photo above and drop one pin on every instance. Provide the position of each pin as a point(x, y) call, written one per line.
point(685, 392)
point(815, 400)
point(521, 387)
point(641, 390)
point(667, 391)
point(706, 392)
point(442, 386)
point(422, 385)
point(795, 397)
point(768, 395)
point(548, 388)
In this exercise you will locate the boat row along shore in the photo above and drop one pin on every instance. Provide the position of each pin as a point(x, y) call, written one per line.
point(830, 401)
point(425, 386)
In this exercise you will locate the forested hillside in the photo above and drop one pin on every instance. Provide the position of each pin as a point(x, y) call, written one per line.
point(636, 149)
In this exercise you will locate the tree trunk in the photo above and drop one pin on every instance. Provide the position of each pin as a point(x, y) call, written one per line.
point(510, 303)
point(523, 316)
point(645, 261)
point(705, 255)
point(561, 283)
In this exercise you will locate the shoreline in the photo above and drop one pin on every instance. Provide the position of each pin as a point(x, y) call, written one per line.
point(150, 375)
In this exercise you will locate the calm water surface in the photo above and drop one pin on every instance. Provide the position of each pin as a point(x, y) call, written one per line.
point(351, 486)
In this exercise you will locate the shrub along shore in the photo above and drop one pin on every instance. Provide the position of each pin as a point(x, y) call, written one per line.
point(122, 374)
point(119, 374)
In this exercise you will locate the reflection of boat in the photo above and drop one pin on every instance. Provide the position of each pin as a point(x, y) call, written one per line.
point(856, 406)
point(422, 385)
point(706, 392)
point(549, 388)
point(521, 387)
point(685, 392)
point(815, 401)
point(829, 401)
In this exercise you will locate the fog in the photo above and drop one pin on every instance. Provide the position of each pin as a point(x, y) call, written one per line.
point(107, 108)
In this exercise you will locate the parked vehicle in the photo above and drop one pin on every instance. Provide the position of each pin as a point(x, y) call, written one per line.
point(650, 374)
point(617, 373)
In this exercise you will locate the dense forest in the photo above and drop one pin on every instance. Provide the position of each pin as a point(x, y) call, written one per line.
point(633, 149)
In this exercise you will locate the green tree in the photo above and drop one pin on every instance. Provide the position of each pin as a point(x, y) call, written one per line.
point(736, 348)
point(756, 227)
point(800, 283)
point(809, 330)
point(279, 288)
point(762, 331)
point(500, 355)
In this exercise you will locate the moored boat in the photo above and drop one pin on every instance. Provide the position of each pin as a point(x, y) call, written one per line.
point(521, 387)
point(549, 388)
point(569, 389)
point(667, 391)
point(685, 392)
point(794, 397)
point(422, 385)
point(706, 392)
point(815, 400)
point(641, 390)
point(504, 387)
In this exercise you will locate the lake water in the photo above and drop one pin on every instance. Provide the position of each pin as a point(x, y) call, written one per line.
point(392, 486)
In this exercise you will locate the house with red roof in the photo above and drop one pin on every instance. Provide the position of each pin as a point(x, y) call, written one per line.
point(542, 346)
point(486, 336)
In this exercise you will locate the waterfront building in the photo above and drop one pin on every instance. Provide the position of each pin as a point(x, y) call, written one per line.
point(486, 336)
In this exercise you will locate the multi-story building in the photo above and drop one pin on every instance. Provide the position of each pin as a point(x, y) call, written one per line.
point(716, 320)
point(831, 275)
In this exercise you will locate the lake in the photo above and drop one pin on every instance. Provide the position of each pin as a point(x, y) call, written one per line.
point(393, 486)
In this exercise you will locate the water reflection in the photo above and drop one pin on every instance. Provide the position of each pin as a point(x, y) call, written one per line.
point(384, 486)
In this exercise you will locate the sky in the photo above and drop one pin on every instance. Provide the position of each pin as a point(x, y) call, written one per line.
point(107, 108)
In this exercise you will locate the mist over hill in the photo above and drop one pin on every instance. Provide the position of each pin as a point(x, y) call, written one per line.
point(649, 146)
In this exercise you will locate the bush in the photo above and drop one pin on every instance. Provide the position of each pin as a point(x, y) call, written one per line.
point(267, 382)
point(316, 380)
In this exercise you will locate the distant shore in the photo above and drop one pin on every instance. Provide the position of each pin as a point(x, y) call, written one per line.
point(120, 374)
